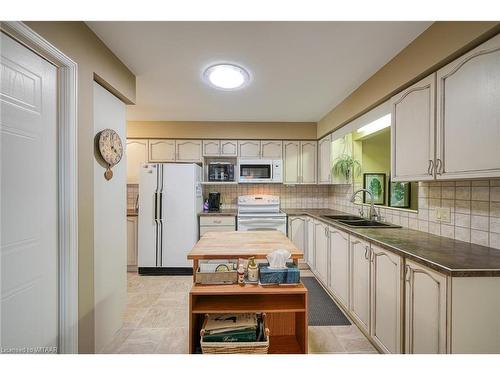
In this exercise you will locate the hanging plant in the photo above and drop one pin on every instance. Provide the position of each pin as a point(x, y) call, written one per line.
point(346, 166)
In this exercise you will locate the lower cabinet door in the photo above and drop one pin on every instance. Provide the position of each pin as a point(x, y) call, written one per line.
point(425, 309)
point(310, 243)
point(321, 242)
point(339, 265)
point(360, 282)
point(386, 296)
point(297, 231)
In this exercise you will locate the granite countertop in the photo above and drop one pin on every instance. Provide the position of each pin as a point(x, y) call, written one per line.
point(132, 212)
point(451, 257)
point(221, 212)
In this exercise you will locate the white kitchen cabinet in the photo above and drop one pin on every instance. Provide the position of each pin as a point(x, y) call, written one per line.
point(131, 243)
point(297, 231)
point(161, 150)
point(216, 223)
point(339, 265)
point(271, 150)
point(321, 250)
point(413, 124)
point(308, 166)
point(137, 153)
point(188, 151)
point(228, 148)
point(299, 159)
point(325, 160)
point(359, 299)
point(291, 162)
point(249, 149)
point(310, 236)
point(386, 299)
point(211, 148)
point(468, 113)
point(425, 310)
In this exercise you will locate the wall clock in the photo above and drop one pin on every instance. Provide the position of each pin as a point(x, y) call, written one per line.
point(110, 149)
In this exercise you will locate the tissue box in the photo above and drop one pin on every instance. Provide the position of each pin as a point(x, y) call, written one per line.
point(289, 275)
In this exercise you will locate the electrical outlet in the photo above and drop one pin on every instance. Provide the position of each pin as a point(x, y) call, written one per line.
point(443, 214)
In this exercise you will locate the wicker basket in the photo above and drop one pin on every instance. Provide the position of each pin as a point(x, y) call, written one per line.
point(257, 347)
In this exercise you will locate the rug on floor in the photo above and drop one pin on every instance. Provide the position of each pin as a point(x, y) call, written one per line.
point(323, 311)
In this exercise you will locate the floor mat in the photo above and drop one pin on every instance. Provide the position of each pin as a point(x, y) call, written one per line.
point(323, 311)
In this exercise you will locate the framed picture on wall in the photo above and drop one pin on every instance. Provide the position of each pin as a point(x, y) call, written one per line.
point(374, 182)
point(399, 194)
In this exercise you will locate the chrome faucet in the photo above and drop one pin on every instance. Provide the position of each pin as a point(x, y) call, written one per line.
point(373, 215)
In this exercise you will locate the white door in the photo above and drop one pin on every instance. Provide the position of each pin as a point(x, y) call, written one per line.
point(413, 119)
point(386, 299)
point(211, 148)
point(310, 243)
point(325, 160)
point(308, 156)
point(161, 150)
point(188, 150)
point(468, 115)
point(321, 256)
point(339, 265)
point(29, 207)
point(137, 153)
point(425, 309)
point(271, 149)
point(229, 148)
point(249, 149)
point(291, 159)
point(360, 282)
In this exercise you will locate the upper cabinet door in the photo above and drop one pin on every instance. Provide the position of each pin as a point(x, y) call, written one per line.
point(271, 149)
point(412, 132)
point(188, 150)
point(228, 148)
point(137, 153)
point(161, 150)
point(325, 160)
point(291, 161)
point(308, 166)
point(211, 148)
point(249, 149)
point(468, 116)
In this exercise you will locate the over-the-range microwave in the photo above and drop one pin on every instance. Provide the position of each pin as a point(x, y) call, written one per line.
point(260, 171)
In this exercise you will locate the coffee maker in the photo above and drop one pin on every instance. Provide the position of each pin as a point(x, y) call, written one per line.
point(213, 201)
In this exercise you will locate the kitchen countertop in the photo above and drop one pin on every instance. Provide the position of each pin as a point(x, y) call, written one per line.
point(451, 257)
point(222, 212)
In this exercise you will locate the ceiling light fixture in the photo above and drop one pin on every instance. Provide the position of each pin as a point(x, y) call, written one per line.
point(226, 76)
point(375, 126)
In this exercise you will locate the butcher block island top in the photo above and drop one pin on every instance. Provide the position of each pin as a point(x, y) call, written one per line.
point(285, 306)
point(224, 245)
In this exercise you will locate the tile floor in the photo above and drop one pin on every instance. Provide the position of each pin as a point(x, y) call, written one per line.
point(156, 321)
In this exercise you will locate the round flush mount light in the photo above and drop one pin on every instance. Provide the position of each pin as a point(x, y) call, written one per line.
point(226, 76)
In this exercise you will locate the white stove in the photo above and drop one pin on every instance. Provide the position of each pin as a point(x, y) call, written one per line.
point(260, 213)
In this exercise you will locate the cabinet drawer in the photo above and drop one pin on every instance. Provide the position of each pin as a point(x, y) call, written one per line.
point(217, 220)
point(216, 228)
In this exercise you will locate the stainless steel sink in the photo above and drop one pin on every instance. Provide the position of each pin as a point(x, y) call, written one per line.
point(367, 224)
point(343, 217)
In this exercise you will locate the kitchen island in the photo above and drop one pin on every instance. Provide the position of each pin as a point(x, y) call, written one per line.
point(285, 306)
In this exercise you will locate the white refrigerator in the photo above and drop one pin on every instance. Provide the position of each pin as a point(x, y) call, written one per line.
point(170, 198)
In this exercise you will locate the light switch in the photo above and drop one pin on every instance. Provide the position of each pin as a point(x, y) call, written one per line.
point(443, 214)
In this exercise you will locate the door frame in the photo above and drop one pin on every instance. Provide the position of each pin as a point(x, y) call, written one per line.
point(67, 179)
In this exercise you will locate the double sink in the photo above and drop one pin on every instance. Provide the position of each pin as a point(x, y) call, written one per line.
point(359, 222)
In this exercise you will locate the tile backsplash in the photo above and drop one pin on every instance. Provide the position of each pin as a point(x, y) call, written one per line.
point(292, 196)
point(474, 208)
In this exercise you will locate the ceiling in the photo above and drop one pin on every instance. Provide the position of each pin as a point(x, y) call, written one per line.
point(300, 70)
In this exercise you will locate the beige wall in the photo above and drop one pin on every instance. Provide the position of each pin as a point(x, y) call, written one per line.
point(222, 130)
point(438, 45)
point(94, 60)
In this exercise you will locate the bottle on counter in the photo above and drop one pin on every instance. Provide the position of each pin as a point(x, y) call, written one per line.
point(241, 274)
point(253, 270)
point(205, 205)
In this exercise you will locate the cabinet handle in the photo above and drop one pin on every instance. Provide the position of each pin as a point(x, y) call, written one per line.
point(439, 166)
point(407, 273)
point(431, 167)
point(366, 252)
